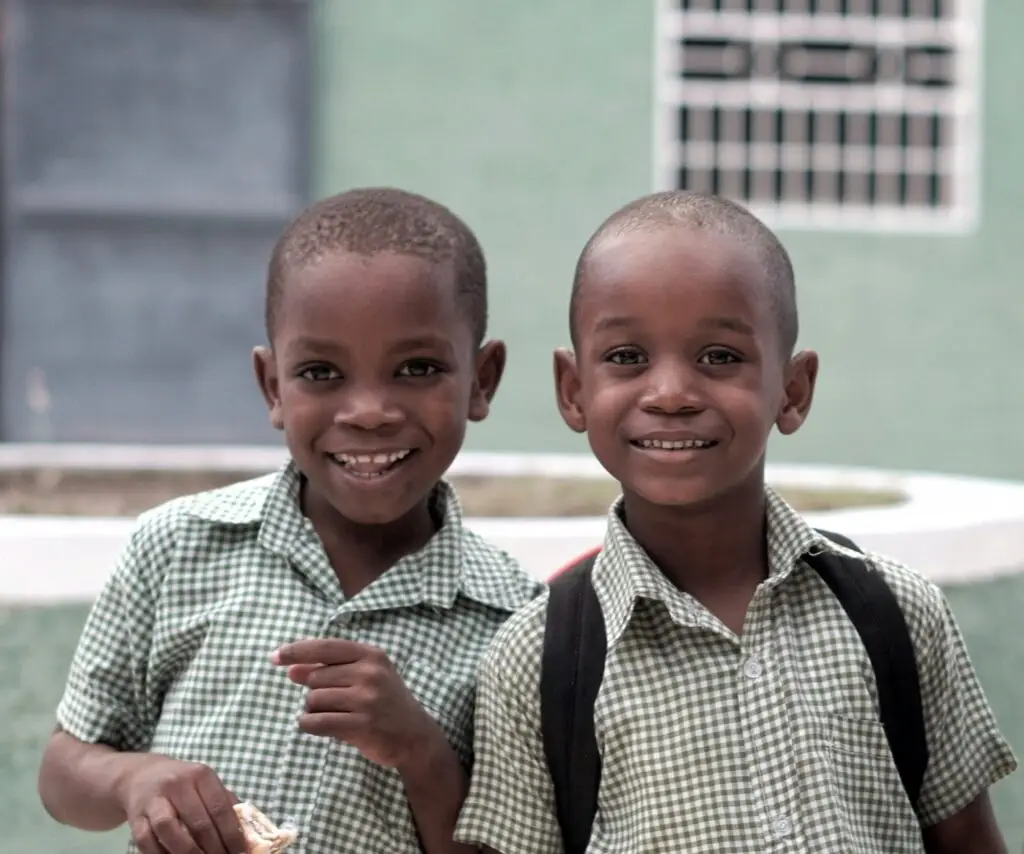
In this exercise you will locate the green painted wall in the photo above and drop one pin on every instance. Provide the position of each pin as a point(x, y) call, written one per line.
point(533, 121)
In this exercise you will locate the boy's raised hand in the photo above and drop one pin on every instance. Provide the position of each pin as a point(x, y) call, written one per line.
point(176, 807)
point(357, 696)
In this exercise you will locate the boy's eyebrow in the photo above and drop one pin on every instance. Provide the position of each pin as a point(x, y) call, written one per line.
point(415, 342)
point(615, 321)
point(421, 342)
point(317, 345)
point(732, 323)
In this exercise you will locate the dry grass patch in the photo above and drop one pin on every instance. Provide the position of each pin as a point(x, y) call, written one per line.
point(128, 493)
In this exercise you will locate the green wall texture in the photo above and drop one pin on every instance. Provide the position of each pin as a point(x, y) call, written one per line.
point(534, 121)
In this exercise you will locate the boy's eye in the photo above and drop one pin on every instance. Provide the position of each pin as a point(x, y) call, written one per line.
point(626, 356)
point(418, 368)
point(319, 374)
point(718, 357)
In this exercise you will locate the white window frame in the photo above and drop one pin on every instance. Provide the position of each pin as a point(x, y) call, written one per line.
point(963, 103)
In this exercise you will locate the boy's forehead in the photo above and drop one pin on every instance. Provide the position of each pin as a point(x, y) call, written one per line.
point(388, 270)
point(385, 278)
point(390, 289)
point(637, 255)
point(645, 273)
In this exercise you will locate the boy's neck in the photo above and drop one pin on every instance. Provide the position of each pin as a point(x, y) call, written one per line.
point(709, 551)
point(360, 554)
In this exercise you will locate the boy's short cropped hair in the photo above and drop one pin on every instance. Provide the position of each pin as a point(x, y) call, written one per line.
point(703, 214)
point(371, 220)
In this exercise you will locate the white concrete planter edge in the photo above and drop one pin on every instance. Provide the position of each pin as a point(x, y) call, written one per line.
point(953, 529)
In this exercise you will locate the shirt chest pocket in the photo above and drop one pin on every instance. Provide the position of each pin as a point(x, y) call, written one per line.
point(449, 699)
point(871, 811)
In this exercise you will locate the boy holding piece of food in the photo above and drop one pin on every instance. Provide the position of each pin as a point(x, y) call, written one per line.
point(306, 643)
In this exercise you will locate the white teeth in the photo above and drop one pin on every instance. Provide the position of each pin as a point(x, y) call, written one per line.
point(372, 459)
point(680, 445)
point(369, 466)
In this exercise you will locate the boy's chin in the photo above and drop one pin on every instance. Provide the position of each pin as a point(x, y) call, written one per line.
point(372, 511)
point(674, 495)
point(370, 501)
point(687, 494)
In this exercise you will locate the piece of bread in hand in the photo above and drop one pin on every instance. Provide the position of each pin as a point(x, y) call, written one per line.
point(261, 834)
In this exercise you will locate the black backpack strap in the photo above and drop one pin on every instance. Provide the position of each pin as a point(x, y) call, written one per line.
point(876, 614)
point(572, 667)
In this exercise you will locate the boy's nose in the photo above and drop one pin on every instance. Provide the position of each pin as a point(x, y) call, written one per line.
point(367, 411)
point(672, 389)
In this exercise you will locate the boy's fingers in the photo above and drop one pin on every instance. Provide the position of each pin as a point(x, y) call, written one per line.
point(200, 823)
point(220, 804)
point(324, 676)
point(320, 651)
point(301, 673)
point(334, 724)
point(332, 700)
point(170, 833)
point(145, 839)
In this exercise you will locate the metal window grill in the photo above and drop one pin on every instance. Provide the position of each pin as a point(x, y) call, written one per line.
point(850, 114)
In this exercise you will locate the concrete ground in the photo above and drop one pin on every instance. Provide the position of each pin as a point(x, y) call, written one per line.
point(36, 644)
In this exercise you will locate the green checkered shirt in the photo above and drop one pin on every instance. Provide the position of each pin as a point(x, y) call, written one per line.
point(725, 744)
point(175, 656)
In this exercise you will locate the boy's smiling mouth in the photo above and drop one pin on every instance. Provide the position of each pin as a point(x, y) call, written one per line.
point(368, 465)
point(672, 447)
point(673, 444)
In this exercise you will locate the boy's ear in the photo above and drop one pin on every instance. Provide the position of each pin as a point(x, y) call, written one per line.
point(490, 366)
point(801, 375)
point(567, 390)
point(266, 375)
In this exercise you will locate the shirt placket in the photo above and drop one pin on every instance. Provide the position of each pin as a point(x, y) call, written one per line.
point(307, 769)
point(312, 764)
point(762, 697)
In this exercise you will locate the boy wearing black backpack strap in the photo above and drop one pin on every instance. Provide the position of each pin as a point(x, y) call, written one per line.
point(745, 702)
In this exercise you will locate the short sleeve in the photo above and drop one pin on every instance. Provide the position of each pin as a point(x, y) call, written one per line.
point(104, 700)
point(511, 801)
point(967, 752)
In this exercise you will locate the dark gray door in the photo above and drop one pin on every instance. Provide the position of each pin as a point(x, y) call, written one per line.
point(155, 149)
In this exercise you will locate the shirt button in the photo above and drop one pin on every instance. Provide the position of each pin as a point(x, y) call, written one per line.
point(753, 669)
point(782, 826)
